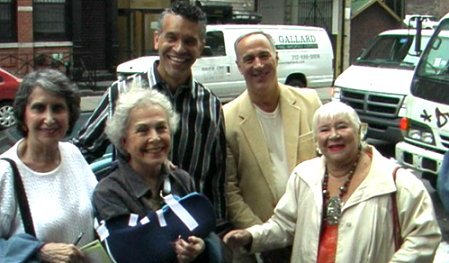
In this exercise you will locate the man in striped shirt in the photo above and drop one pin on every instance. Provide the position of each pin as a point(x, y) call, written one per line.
point(199, 144)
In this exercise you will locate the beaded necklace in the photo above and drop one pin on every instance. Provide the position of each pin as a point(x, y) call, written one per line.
point(333, 210)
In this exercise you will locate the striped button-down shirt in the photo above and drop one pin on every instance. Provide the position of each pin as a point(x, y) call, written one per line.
point(199, 144)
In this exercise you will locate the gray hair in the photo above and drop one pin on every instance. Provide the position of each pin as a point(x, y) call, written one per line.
point(145, 96)
point(337, 109)
point(53, 82)
point(268, 36)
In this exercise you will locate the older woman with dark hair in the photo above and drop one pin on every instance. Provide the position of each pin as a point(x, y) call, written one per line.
point(141, 130)
point(58, 182)
point(342, 206)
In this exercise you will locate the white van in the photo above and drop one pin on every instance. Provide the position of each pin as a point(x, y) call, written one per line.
point(305, 59)
point(377, 83)
point(426, 122)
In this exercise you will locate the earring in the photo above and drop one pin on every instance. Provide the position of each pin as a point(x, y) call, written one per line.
point(318, 151)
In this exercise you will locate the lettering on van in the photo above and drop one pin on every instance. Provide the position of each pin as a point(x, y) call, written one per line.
point(297, 58)
point(442, 118)
point(210, 73)
point(296, 42)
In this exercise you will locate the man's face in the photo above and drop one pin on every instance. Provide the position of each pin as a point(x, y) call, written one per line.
point(179, 43)
point(257, 62)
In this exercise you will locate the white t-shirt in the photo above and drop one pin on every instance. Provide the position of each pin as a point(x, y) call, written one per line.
point(271, 124)
point(59, 200)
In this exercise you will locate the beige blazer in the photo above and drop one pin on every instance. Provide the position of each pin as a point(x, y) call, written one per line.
point(250, 190)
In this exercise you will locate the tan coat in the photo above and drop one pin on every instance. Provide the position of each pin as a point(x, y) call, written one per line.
point(365, 231)
point(251, 192)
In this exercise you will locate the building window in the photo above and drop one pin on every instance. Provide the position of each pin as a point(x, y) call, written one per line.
point(51, 20)
point(8, 21)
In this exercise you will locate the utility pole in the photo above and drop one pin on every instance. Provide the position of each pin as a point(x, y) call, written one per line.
point(341, 28)
point(346, 34)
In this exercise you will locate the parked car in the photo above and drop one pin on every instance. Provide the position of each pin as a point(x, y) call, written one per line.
point(8, 87)
point(428, 21)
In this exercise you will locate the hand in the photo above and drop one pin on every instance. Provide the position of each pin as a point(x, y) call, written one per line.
point(236, 239)
point(187, 251)
point(60, 252)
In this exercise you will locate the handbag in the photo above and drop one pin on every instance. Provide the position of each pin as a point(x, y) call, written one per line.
point(394, 211)
point(22, 199)
point(150, 239)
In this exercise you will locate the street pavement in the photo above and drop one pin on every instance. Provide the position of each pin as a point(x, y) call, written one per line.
point(90, 102)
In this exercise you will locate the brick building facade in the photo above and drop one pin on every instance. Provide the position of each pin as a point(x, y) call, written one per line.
point(74, 36)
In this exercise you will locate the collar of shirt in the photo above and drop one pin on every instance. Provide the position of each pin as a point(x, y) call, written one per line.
point(162, 84)
point(138, 187)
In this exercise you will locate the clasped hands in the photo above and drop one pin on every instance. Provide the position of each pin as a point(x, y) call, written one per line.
point(238, 239)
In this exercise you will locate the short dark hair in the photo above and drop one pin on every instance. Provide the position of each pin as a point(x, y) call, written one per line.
point(54, 82)
point(188, 11)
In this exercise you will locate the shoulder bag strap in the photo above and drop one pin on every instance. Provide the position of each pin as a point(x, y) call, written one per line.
point(22, 199)
point(396, 225)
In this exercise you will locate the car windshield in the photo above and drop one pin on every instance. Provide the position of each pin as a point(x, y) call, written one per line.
point(388, 51)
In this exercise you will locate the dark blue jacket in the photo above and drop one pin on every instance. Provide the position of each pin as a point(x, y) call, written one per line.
point(20, 248)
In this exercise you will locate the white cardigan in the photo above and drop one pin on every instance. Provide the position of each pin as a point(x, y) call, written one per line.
point(365, 229)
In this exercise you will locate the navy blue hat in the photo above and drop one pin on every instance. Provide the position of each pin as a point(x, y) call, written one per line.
point(149, 242)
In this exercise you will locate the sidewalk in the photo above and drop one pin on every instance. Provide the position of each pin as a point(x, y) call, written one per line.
point(91, 97)
point(89, 103)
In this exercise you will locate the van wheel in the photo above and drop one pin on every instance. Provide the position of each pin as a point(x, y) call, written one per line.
point(296, 83)
point(7, 118)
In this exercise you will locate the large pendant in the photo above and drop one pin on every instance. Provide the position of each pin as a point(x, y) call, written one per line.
point(333, 211)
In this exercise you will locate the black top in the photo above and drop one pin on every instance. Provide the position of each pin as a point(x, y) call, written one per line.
point(124, 192)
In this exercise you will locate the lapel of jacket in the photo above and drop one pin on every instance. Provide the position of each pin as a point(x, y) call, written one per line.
point(291, 119)
point(254, 136)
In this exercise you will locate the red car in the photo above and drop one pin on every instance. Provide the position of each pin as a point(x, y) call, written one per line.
point(9, 84)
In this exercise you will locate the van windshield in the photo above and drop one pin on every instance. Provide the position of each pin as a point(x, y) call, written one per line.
point(389, 51)
point(431, 80)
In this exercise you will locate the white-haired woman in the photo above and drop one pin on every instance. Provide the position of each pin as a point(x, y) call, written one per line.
point(141, 129)
point(338, 207)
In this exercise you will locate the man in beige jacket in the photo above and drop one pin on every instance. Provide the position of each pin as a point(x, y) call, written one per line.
point(268, 132)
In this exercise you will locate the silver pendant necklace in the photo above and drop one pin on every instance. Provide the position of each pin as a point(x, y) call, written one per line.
point(332, 212)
